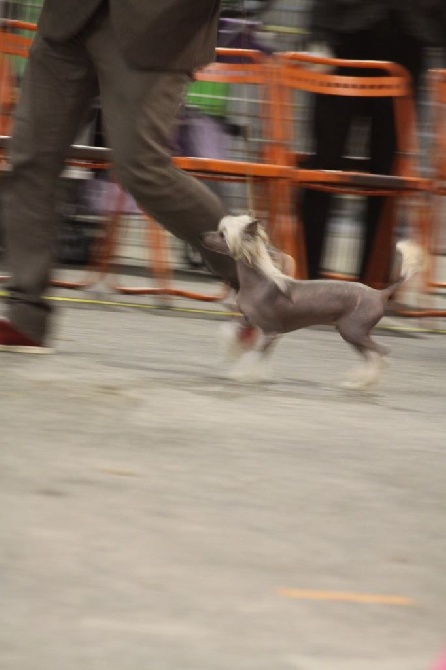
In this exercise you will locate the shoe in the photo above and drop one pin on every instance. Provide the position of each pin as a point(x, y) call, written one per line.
point(12, 340)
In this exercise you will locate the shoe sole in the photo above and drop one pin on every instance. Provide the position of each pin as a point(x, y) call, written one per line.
point(18, 349)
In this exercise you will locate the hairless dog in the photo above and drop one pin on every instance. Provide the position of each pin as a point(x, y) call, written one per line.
point(275, 303)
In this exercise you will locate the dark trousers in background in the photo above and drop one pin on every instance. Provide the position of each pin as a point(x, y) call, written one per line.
point(332, 120)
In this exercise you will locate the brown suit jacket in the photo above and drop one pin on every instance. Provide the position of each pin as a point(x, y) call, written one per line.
point(152, 34)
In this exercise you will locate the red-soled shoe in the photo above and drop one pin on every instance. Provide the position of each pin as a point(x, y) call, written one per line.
point(14, 341)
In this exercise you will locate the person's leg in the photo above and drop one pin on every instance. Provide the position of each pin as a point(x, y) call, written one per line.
point(389, 42)
point(332, 118)
point(58, 87)
point(382, 152)
point(140, 112)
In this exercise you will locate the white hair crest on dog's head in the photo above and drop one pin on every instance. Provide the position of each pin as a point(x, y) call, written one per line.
point(252, 248)
point(232, 228)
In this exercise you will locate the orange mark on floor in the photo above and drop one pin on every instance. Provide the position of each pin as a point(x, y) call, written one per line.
point(347, 597)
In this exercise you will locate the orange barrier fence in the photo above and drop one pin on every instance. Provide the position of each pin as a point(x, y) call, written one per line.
point(438, 174)
point(266, 94)
point(297, 74)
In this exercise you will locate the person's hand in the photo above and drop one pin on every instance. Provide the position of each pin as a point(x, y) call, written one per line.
point(321, 50)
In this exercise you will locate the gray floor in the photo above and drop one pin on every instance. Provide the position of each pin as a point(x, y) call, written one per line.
point(155, 515)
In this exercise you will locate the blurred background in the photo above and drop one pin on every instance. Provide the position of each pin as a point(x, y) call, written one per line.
point(87, 196)
point(218, 121)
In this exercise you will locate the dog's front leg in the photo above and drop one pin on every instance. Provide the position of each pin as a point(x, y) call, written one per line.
point(238, 337)
point(255, 365)
point(267, 344)
point(266, 350)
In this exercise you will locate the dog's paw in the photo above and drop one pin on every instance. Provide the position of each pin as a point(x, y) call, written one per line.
point(253, 367)
point(236, 340)
point(354, 384)
point(366, 376)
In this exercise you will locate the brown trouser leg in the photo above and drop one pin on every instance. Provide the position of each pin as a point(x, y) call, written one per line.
point(58, 88)
point(140, 111)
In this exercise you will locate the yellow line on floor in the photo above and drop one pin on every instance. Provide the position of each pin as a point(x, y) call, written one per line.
point(198, 310)
point(166, 308)
point(347, 597)
point(122, 303)
point(211, 312)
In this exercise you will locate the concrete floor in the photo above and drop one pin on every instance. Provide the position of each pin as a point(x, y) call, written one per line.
point(156, 515)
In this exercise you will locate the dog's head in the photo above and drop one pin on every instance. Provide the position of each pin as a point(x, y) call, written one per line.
point(233, 235)
point(244, 239)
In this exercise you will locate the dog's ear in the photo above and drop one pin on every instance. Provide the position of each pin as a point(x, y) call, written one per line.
point(252, 228)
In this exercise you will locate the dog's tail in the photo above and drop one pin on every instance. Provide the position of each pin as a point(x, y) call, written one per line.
point(413, 261)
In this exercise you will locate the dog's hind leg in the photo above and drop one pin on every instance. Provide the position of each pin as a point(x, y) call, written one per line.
point(372, 352)
point(367, 375)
